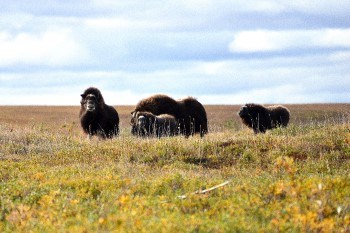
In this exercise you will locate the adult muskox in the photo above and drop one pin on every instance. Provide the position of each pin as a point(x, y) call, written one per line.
point(194, 118)
point(148, 124)
point(190, 114)
point(261, 118)
point(96, 117)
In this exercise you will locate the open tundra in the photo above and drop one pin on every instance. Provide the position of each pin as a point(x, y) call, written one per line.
point(293, 179)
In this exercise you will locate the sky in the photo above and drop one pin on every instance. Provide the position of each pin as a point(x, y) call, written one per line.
point(218, 51)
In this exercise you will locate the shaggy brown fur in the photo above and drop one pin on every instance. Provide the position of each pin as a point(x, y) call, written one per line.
point(96, 117)
point(148, 124)
point(279, 116)
point(194, 118)
point(190, 114)
point(261, 119)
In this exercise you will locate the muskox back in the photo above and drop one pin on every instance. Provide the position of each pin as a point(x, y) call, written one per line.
point(96, 117)
point(279, 116)
point(158, 104)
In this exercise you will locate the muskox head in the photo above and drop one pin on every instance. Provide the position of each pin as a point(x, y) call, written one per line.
point(142, 123)
point(250, 116)
point(91, 100)
point(243, 111)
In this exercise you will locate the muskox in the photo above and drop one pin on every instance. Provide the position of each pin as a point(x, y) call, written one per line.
point(148, 124)
point(96, 117)
point(189, 113)
point(261, 118)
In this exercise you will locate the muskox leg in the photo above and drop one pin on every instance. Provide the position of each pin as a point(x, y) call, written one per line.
point(103, 134)
point(186, 128)
point(193, 126)
point(178, 132)
point(157, 130)
point(201, 131)
point(161, 131)
point(116, 130)
point(89, 133)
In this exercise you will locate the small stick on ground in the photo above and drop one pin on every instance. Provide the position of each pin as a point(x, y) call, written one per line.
point(206, 190)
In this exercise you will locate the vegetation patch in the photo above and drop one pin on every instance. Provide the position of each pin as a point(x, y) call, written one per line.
point(295, 179)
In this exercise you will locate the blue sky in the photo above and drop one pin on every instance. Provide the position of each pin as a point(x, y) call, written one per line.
point(219, 51)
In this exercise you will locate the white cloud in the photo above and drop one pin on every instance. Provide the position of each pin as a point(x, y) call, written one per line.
point(286, 93)
point(116, 23)
point(307, 79)
point(270, 41)
point(51, 48)
point(132, 49)
point(334, 38)
point(343, 56)
point(326, 7)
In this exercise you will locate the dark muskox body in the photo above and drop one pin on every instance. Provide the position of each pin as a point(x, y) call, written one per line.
point(190, 114)
point(194, 117)
point(148, 124)
point(158, 104)
point(96, 117)
point(260, 118)
point(279, 116)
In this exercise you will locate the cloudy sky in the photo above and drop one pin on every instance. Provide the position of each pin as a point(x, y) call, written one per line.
point(219, 51)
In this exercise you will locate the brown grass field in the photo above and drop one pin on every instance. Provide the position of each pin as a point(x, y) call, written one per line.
point(295, 179)
point(220, 117)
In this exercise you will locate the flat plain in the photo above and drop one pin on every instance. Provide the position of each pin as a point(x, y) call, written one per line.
point(295, 179)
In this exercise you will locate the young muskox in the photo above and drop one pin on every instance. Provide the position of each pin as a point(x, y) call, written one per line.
point(96, 117)
point(148, 124)
point(190, 114)
point(261, 119)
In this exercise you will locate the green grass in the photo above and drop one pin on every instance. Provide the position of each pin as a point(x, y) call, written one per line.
point(289, 180)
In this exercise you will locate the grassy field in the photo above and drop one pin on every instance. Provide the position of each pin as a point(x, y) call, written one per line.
point(52, 179)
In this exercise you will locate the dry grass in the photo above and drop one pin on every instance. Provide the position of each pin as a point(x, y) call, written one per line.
point(52, 179)
point(220, 117)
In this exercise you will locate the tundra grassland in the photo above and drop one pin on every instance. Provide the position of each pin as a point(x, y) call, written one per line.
point(295, 179)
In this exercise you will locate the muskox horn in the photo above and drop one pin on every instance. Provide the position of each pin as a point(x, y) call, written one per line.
point(133, 114)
